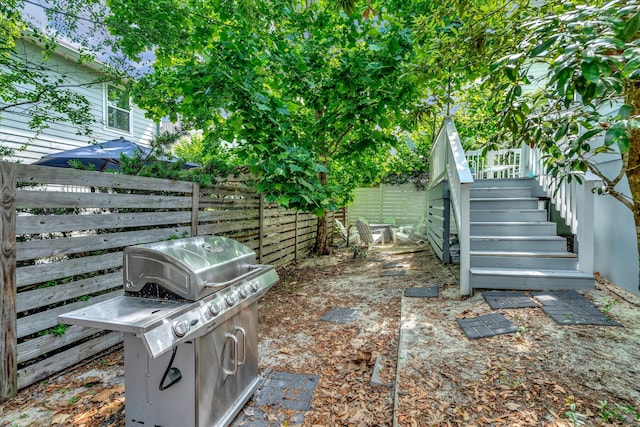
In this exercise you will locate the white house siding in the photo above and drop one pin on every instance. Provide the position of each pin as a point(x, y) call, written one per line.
point(29, 146)
point(616, 250)
point(616, 253)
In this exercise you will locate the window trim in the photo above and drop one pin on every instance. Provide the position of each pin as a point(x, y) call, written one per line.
point(107, 107)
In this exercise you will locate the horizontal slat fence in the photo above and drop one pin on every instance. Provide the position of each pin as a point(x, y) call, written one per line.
point(63, 235)
point(402, 202)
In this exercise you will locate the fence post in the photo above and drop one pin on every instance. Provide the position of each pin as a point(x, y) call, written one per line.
point(195, 207)
point(295, 250)
point(381, 203)
point(261, 229)
point(8, 332)
point(446, 223)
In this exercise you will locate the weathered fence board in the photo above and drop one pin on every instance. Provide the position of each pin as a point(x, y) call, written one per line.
point(36, 249)
point(43, 344)
point(59, 200)
point(8, 336)
point(47, 319)
point(56, 363)
point(30, 174)
point(92, 221)
point(40, 273)
point(42, 297)
point(227, 215)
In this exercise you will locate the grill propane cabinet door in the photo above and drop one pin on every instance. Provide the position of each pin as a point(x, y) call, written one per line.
point(227, 360)
point(206, 384)
point(145, 404)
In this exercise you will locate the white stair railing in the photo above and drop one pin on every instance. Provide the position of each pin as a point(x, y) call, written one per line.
point(574, 202)
point(448, 162)
point(502, 163)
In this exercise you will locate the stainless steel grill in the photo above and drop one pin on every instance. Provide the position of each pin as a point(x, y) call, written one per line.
point(189, 317)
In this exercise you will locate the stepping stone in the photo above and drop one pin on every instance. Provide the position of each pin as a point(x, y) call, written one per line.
point(571, 308)
point(287, 390)
point(394, 265)
point(341, 315)
point(430, 292)
point(550, 298)
point(488, 325)
point(393, 273)
point(500, 299)
point(279, 390)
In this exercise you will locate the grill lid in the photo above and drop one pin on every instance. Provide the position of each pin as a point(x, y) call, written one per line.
point(190, 268)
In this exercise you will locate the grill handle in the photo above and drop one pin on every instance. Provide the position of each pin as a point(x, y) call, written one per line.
point(244, 344)
point(252, 269)
point(234, 339)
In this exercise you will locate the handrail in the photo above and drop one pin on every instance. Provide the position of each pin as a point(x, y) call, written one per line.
point(574, 202)
point(501, 163)
point(448, 162)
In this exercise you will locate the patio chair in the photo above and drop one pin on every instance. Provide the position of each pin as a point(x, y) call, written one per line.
point(367, 238)
point(412, 234)
point(344, 235)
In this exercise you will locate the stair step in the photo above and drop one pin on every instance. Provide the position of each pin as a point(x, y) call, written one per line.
point(518, 243)
point(525, 279)
point(513, 228)
point(479, 215)
point(505, 203)
point(526, 260)
point(494, 192)
point(502, 182)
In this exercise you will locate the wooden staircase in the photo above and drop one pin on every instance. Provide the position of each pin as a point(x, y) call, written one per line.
point(512, 243)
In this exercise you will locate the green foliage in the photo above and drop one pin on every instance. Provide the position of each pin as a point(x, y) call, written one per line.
point(161, 163)
point(307, 96)
point(58, 330)
point(610, 413)
point(457, 41)
point(572, 414)
point(33, 86)
point(475, 116)
point(582, 108)
point(217, 159)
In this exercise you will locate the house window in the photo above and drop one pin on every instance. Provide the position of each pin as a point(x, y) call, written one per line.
point(118, 109)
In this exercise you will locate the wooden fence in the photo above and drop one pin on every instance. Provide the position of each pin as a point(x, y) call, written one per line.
point(402, 202)
point(63, 232)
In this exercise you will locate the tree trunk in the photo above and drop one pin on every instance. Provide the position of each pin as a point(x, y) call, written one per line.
point(322, 236)
point(632, 97)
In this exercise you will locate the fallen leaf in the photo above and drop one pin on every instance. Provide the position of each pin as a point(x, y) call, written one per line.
point(512, 406)
point(60, 419)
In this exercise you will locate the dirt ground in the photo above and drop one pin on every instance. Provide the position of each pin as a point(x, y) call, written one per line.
point(543, 375)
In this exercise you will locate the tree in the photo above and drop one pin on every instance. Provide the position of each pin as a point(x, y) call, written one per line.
point(308, 93)
point(589, 102)
point(29, 86)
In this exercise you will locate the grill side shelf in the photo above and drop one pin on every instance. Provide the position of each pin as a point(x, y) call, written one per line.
point(124, 313)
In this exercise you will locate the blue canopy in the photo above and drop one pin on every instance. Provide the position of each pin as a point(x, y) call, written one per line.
point(103, 156)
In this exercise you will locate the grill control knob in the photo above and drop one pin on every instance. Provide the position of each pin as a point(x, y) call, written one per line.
point(231, 299)
point(243, 291)
point(215, 308)
point(180, 329)
point(255, 285)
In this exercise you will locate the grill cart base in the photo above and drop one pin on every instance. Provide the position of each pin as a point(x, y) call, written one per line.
point(189, 317)
point(201, 387)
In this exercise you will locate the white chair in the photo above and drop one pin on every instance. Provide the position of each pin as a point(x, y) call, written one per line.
point(367, 237)
point(344, 234)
